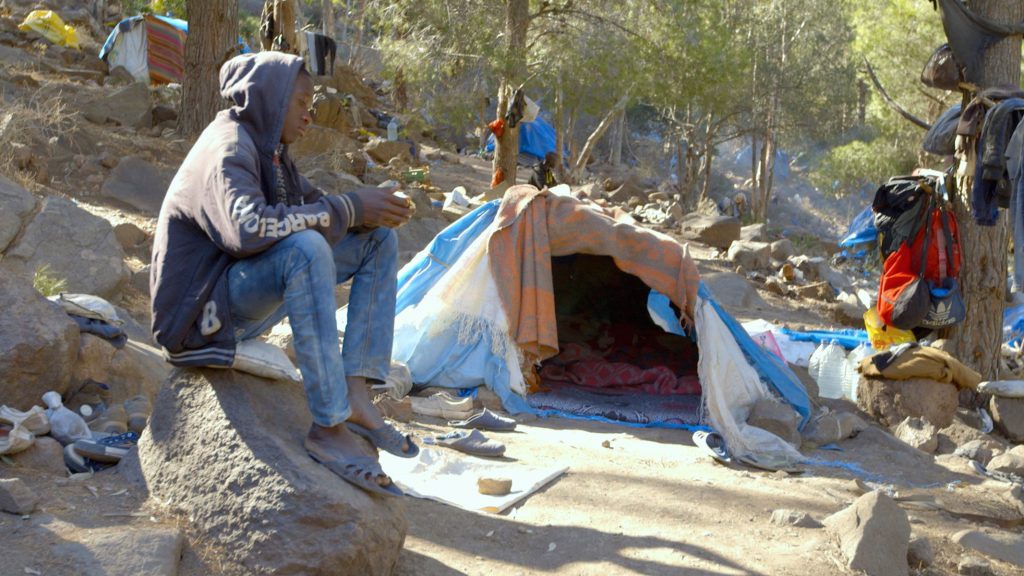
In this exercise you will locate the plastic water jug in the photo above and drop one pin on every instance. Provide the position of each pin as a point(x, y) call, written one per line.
point(851, 377)
point(832, 368)
point(393, 130)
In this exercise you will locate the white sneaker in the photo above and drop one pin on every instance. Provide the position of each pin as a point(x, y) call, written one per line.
point(442, 405)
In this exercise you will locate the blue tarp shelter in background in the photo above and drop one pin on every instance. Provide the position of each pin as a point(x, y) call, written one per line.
point(442, 358)
point(536, 139)
point(781, 161)
point(862, 230)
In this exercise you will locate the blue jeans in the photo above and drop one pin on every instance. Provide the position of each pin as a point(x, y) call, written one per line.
point(296, 277)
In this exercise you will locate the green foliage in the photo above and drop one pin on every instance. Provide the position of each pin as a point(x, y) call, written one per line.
point(848, 168)
point(175, 8)
point(46, 283)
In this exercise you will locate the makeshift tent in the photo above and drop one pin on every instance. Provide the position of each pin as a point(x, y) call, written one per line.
point(151, 48)
point(862, 230)
point(595, 300)
point(536, 139)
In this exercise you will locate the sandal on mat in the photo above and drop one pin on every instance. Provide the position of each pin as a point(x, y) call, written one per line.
point(388, 439)
point(361, 472)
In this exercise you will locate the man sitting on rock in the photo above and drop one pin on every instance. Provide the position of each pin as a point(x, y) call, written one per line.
point(244, 240)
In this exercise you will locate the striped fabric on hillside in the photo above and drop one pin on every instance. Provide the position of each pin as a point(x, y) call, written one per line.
point(166, 52)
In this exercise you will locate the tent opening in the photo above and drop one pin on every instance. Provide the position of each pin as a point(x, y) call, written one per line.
point(614, 362)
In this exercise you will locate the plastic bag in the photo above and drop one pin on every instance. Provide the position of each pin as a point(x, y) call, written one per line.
point(48, 25)
point(65, 425)
point(882, 336)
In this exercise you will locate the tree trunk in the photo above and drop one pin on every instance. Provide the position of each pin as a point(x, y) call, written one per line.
point(212, 40)
point(680, 153)
point(506, 148)
point(618, 135)
point(484, 131)
point(328, 18)
point(709, 154)
point(560, 131)
point(596, 135)
point(976, 342)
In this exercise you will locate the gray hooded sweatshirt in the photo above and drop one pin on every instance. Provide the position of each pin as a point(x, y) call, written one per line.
point(224, 205)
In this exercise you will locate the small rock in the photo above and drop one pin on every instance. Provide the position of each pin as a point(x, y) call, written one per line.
point(16, 497)
point(920, 553)
point(848, 314)
point(980, 450)
point(494, 486)
point(776, 286)
point(1001, 546)
point(45, 455)
point(717, 231)
point(1008, 416)
point(777, 418)
point(873, 534)
point(1008, 463)
point(918, 433)
point(124, 550)
point(129, 236)
point(818, 291)
point(974, 566)
point(782, 249)
point(786, 517)
point(749, 254)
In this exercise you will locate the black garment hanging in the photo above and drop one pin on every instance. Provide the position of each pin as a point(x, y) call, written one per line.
point(970, 35)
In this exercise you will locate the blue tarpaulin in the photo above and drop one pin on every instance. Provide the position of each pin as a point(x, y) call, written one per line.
point(848, 338)
point(862, 230)
point(536, 139)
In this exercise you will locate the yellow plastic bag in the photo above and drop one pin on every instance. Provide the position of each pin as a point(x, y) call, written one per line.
point(882, 336)
point(51, 27)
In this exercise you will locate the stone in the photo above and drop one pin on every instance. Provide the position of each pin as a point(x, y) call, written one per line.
point(786, 517)
point(16, 497)
point(125, 550)
point(873, 534)
point(814, 268)
point(1008, 416)
point(918, 433)
point(224, 449)
point(140, 282)
point(782, 249)
point(817, 291)
point(331, 182)
point(162, 113)
point(137, 368)
point(777, 418)
point(45, 455)
point(16, 205)
point(892, 401)
point(733, 291)
point(128, 106)
point(980, 450)
point(382, 151)
point(833, 427)
point(1002, 546)
point(38, 342)
point(848, 314)
point(919, 553)
point(137, 184)
point(974, 566)
point(130, 236)
point(749, 254)
point(717, 231)
point(321, 141)
point(631, 188)
point(754, 233)
point(1008, 463)
point(87, 257)
point(775, 286)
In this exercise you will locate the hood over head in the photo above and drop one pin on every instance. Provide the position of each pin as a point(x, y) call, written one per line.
point(260, 87)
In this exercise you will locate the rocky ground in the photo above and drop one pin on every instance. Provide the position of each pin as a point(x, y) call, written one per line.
point(85, 158)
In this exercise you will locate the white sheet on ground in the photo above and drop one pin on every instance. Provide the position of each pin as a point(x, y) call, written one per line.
point(450, 477)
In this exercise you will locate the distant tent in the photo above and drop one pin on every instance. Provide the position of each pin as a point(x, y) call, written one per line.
point(151, 48)
point(781, 161)
point(536, 139)
point(545, 280)
point(862, 230)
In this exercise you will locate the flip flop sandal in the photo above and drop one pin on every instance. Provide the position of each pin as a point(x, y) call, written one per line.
point(388, 439)
point(360, 472)
point(486, 420)
point(34, 419)
point(713, 444)
point(474, 443)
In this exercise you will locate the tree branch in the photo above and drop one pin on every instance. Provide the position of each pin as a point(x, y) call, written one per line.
point(892, 103)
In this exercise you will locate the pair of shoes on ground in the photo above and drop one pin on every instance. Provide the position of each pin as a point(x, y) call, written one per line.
point(132, 416)
point(362, 471)
point(473, 442)
point(100, 452)
point(443, 405)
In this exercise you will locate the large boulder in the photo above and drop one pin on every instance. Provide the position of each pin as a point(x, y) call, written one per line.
point(138, 184)
point(874, 535)
point(632, 187)
point(129, 371)
point(1008, 416)
point(733, 291)
point(129, 106)
point(892, 401)
point(332, 111)
point(717, 231)
point(38, 342)
point(154, 551)
point(1003, 546)
point(750, 255)
point(16, 204)
point(754, 233)
point(1010, 462)
point(87, 256)
point(320, 141)
point(225, 450)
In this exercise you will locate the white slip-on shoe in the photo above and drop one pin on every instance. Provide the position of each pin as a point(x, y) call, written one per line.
point(443, 405)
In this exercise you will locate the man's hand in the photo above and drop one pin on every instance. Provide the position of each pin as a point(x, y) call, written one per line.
point(382, 208)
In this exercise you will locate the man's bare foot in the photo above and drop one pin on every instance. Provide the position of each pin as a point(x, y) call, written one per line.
point(364, 412)
point(337, 443)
